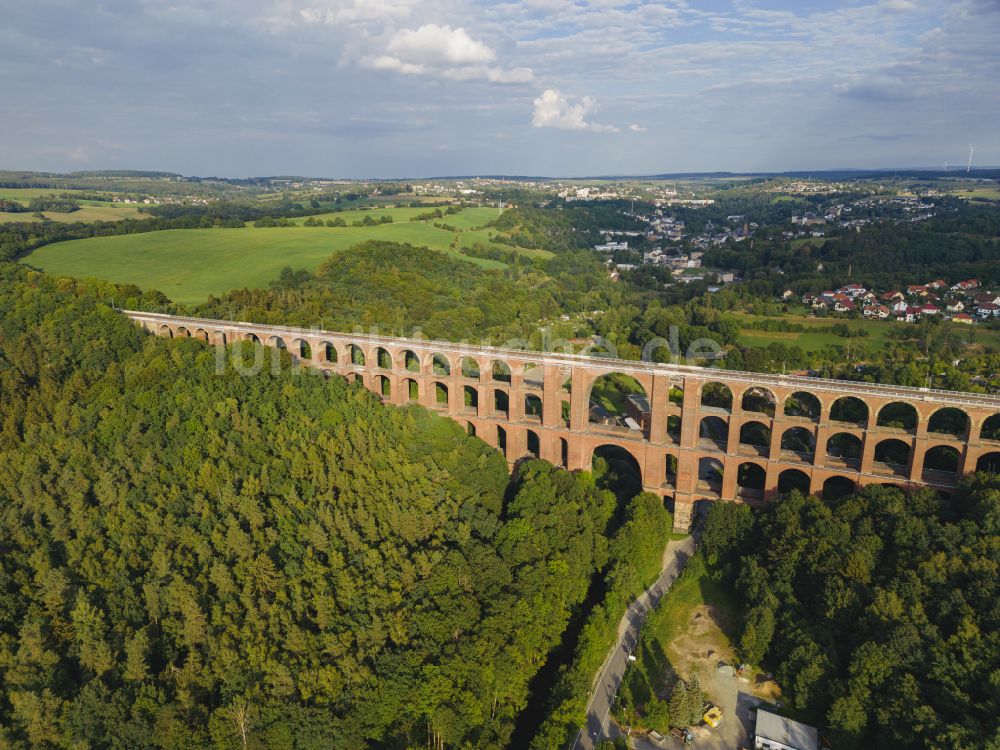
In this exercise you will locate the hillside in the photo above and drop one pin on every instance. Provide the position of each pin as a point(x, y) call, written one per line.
point(191, 557)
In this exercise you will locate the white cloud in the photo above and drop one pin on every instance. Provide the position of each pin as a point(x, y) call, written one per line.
point(553, 110)
point(444, 52)
point(439, 45)
point(636, 128)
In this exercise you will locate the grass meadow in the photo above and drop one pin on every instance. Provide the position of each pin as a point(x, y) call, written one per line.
point(190, 264)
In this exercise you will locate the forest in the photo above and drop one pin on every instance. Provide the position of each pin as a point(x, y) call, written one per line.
point(879, 614)
point(194, 558)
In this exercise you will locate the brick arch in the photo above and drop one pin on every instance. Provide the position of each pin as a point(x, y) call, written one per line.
point(219, 338)
point(944, 417)
point(438, 365)
point(805, 405)
point(753, 396)
point(841, 406)
point(594, 445)
point(898, 415)
point(988, 460)
point(987, 421)
point(794, 479)
point(710, 395)
point(499, 371)
point(165, 331)
point(201, 334)
point(933, 452)
point(465, 370)
point(749, 426)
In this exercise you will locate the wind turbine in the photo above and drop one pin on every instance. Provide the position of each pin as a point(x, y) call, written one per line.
point(969, 167)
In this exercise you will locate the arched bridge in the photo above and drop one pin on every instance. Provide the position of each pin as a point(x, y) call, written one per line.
point(695, 433)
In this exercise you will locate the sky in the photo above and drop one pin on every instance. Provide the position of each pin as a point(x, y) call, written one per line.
point(418, 88)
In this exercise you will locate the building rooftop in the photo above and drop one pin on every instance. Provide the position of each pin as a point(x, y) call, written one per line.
point(790, 733)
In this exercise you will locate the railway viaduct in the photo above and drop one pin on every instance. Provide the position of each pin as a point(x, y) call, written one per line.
point(696, 434)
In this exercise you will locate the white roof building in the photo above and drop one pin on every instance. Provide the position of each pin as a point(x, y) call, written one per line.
point(775, 732)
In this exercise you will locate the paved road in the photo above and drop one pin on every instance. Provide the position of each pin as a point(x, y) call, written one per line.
point(599, 707)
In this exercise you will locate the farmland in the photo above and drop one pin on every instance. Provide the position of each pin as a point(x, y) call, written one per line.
point(91, 210)
point(190, 264)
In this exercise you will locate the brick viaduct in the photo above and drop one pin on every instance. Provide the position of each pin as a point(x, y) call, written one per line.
point(702, 434)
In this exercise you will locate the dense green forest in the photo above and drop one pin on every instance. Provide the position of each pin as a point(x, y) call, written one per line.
point(400, 289)
point(193, 558)
point(879, 614)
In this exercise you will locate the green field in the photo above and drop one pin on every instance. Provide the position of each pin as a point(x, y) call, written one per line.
point(190, 264)
point(91, 211)
point(810, 341)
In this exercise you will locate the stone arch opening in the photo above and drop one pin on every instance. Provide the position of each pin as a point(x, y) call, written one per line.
point(751, 477)
point(893, 453)
point(803, 404)
point(532, 406)
point(991, 428)
point(849, 409)
point(942, 460)
point(714, 431)
point(411, 389)
point(837, 487)
point(846, 447)
point(500, 371)
point(329, 352)
point(201, 334)
point(277, 342)
point(949, 421)
point(800, 441)
point(253, 338)
point(759, 400)
point(303, 349)
point(440, 394)
point(383, 360)
point(564, 412)
point(619, 402)
point(533, 375)
point(755, 435)
point(898, 415)
point(674, 422)
point(440, 366)
point(791, 480)
point(470, 368)
point(470, 397)
point(182, 333)
point(356, 355)
point(408, 360)
point(616, 469)
point(165, 332)
point(710, 474)
point(716, 396)
point(501, 402)
point(564, 452)
point(383, 386)
point(676, 395)
point(502, 440)
point(989, 462)
point(670, 469)
point(470, 429)
point(534, 444)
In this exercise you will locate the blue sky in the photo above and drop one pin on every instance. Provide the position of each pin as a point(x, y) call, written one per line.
point(386, 88)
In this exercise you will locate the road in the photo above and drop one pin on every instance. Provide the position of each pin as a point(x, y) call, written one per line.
point(599, 708)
